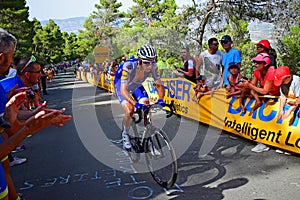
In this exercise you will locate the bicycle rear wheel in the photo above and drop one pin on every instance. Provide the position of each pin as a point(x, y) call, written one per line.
point(161, 159)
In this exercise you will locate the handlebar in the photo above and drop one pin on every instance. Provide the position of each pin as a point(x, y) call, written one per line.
point(146, 108)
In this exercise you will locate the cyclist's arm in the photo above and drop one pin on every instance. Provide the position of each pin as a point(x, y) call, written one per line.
point(126, 94)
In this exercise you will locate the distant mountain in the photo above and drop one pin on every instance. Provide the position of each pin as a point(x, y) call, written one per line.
point(70, 25)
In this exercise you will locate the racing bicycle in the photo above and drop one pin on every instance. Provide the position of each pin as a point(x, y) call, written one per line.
point(155, 144)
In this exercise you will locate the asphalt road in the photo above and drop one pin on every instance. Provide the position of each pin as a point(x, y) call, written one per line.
point(82, 160)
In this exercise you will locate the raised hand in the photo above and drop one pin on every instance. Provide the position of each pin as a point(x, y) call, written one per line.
point(13, 106)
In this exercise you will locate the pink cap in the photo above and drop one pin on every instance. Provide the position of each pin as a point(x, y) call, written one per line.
point(262, 57)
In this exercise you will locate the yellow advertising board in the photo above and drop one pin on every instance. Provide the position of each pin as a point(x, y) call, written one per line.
point(215, 110)
point(101, 54)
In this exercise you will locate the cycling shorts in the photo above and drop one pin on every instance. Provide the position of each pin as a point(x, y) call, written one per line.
point(139, 94)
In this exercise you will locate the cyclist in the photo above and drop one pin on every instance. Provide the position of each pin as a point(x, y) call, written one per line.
point(129, 89)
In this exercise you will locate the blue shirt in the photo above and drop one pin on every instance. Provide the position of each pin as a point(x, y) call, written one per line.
point(5, 86)
point(232, 55)
point(3, 100)
point(10, 82)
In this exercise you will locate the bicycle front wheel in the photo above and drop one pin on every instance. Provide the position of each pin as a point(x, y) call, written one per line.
point(161, 159)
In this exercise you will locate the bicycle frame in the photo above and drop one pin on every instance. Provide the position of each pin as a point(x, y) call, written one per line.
point(147, 133)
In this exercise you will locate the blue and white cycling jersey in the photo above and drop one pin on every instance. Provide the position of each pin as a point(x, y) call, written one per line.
point(128, 73)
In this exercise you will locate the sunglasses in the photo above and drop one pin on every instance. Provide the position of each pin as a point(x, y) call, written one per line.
point(259, 62)
point(31, 60)
point(149, 63)
point(215, 44)
point(224, 42)
point(259, 46)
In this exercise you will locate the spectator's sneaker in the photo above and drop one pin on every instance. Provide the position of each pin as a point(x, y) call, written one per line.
point(17, 161)
point(260, 148)
point(126, 141)
point(19, 149)
point(281, 152)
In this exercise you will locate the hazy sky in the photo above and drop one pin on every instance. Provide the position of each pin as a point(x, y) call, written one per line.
point(61, 9)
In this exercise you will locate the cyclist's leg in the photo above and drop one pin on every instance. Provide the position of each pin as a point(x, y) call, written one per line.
point(127, 118)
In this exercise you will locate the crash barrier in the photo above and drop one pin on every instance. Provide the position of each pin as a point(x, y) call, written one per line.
point(215, 110)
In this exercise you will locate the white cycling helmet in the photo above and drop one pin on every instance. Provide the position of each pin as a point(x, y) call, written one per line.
point(146, 52)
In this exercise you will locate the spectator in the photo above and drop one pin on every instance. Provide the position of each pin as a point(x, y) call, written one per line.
point(124, 59)
point(264, 76)
point(28, 74)
point(44, 80)
point(230, 55)
point(263, 46)
point(161, 68)
point(210, 62)
point(234, 79)
point(289, 88)
point(200, 88)
point(188, 69)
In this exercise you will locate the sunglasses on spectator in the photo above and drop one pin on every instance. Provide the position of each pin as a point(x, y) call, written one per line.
point(31, 60)
point(215, 44)
point(224, 42)
point(259, 46)
point(259, 62)
point(149, 63)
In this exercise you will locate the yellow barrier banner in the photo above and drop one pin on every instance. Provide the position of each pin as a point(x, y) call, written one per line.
point(215, 110)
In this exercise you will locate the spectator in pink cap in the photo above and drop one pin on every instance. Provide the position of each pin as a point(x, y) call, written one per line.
point(264, 76)
point(289, 88)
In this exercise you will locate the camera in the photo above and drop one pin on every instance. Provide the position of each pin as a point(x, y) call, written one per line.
point(241, 80)
point(30, 94)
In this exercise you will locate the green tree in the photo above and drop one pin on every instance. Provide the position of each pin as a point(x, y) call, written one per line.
point(71, 44)
point(212, 16)
point(50, 43)
point(106, 19)
point(290, 49)
point(156, 22)
point(14, 18)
